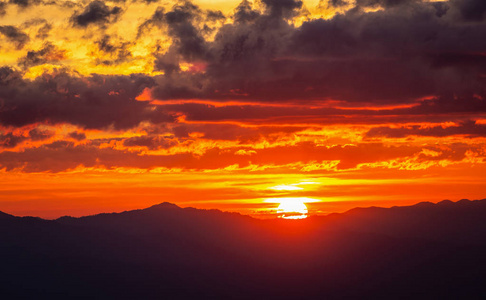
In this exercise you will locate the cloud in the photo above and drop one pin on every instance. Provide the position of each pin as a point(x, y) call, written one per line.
point(78, 136)
point(188, 26)
point(451, 103)
point(99, 101)
point(231, 132)
point(150, 142)
point(147, 1)
point(468, 128)
point(15, 36)
point(156, 20)
point(215, 16)
point(384, 3)
point(40, 135)
point(245, 12)
point(11, 140)
point(471, 10)
point(63, 155)
point(423, 60)
point(96, 12)
point(188, 43)
point(25, 3)
point(49, 53)
point(282, 8)
point(111, 51)
point(3, 8)
point(402, 53)
point(43, 27)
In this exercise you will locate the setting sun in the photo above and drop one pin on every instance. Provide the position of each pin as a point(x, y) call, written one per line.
point(292, 210)
point(291, 207)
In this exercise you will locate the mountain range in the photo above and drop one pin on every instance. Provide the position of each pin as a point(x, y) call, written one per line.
point(424, 251)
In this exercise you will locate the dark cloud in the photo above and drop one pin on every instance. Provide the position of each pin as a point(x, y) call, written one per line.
point(230, 132)
point(215, 16)
point(335, 3)
point(402, 53)
point(3, 8)
point(370, 3)
point(8, 76)
point(188, 43)
point(471, 10)
point(25, 3)
point(385, 3)
point(282, 8)
point(150, 142)
point(44, 31)
point(468, 128)
point(213, 21)
point(91, 102)
point(58, 145)
point(49, 53)
point(186, 24)
point(40, 135)
point(451, 104)
point(78, 136)
point(97, 12)
point(156, 20)
point(240, 53)
point(112, 51)
point(15, 36)
point(441, 8)
point(147, 1)
point(245, 12)
point(203, 112)
point(62, 155)
point(10, 140)
point(43, 27)
point(437, 110)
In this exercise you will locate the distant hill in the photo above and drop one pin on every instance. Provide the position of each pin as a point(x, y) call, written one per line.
point(453, 222)
point(5, 216)
point(427, 251)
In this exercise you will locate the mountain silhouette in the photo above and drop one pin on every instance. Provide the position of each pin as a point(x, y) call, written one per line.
point(5, 216)
point(422, 251)
point(456, 222)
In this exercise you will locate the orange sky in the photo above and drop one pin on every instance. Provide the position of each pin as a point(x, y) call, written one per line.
point(117, 105)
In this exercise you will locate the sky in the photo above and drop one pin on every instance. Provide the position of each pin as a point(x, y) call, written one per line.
point(239, 105)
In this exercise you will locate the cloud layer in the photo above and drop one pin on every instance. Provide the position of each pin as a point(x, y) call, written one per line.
point(344, 88)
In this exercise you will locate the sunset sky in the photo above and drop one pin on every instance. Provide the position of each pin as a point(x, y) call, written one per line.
point(115, 105)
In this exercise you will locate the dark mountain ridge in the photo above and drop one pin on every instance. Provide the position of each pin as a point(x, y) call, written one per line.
point(454, 222)
point(164, 251)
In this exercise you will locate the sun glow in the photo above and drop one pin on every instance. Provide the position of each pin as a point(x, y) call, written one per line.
point(286, 187)
point(292, 207)
point(292, 210)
